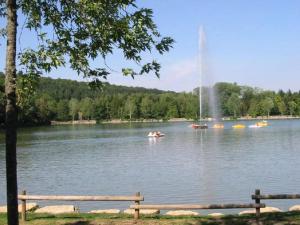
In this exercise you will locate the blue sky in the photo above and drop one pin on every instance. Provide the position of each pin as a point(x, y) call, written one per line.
point(254, 43)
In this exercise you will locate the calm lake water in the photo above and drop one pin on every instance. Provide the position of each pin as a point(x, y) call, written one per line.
point(185, 166)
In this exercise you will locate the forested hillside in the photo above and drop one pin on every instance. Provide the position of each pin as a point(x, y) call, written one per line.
point(60, 99)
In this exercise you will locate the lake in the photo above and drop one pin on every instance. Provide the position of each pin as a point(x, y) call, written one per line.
point(185, 166)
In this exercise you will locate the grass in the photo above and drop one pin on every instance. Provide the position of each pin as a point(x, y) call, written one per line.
point(286, 218)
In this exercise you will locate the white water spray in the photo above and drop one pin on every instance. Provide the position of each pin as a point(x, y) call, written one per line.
point(201, 46)
point(205, 73)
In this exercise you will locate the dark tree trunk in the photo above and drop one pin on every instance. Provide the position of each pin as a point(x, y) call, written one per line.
point(11, 115)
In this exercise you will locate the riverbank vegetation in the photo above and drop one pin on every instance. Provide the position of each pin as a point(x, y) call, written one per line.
point(122, 219)
point(62, 100)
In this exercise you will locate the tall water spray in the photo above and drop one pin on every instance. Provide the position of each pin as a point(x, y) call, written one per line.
point(200, 63)
point(206, 74)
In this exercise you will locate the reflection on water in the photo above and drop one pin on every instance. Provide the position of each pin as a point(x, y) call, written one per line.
point(155, 140)
point(185, 166)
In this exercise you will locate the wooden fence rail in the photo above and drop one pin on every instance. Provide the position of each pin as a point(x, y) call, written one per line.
point(277, 196)
point(187, 206)
point(137, 198)
point(80, 198)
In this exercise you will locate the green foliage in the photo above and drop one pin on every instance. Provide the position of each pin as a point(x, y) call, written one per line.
point(253, 108)
point(292, 107)
point(130, 107)
point(60, 99)
point(26, 86)
point(267, 104)
point(147, 107)
point(2, 107)
point(101, 108)
point(281, 106)
point(62, 110)
point(86, 108)
point(234, 104)
point(46, 107)
point(85, 30)
point(73, 107)
point(224, 91)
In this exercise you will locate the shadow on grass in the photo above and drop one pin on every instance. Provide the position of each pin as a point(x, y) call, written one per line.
point(265, 219)
point(226, 220)
point(109, 219)
point(79, 223)
point(281, 218)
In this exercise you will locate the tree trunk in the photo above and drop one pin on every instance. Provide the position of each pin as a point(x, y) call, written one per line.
point(11, 115)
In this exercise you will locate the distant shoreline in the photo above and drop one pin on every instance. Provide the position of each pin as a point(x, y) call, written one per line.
point(285, 117)
point(118, 121)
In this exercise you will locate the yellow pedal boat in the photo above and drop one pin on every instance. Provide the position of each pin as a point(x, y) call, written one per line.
point(263, 123)
point(238, 126)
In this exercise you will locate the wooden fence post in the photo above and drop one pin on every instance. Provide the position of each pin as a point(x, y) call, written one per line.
point(257, 201)
point(23, 213)
point(137, 211)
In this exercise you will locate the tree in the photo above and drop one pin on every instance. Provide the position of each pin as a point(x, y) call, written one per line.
point(267, 104)
point(292, 107)
point(2, 108)
point(130, 106)
point(2, 99)
point(62, 110)
point(253, 108)
point(234, 104)
point(86, 107)
point(80, 31)
point(73, 107)
point(280, 103)
point(116, 105)
point(147, 107)
point(11, 112)
point(46, 107)
point(192, 108)
point(224, 91)
point(101, 112)
point(161, 106)
point(172, 110)
point(247, 96)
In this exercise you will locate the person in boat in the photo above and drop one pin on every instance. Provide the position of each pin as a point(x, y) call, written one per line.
point(156, 134)
point(153, 134)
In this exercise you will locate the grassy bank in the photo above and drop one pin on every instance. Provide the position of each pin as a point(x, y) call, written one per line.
point(121, 219)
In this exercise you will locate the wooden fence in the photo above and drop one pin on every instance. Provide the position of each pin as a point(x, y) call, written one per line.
point(258, 196)
point(137, 198)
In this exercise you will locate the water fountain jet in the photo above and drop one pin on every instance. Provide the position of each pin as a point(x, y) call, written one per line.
point(203, 70)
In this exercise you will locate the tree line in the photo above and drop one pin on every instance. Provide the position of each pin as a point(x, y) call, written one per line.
point(235, 101)
point(61, 100)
